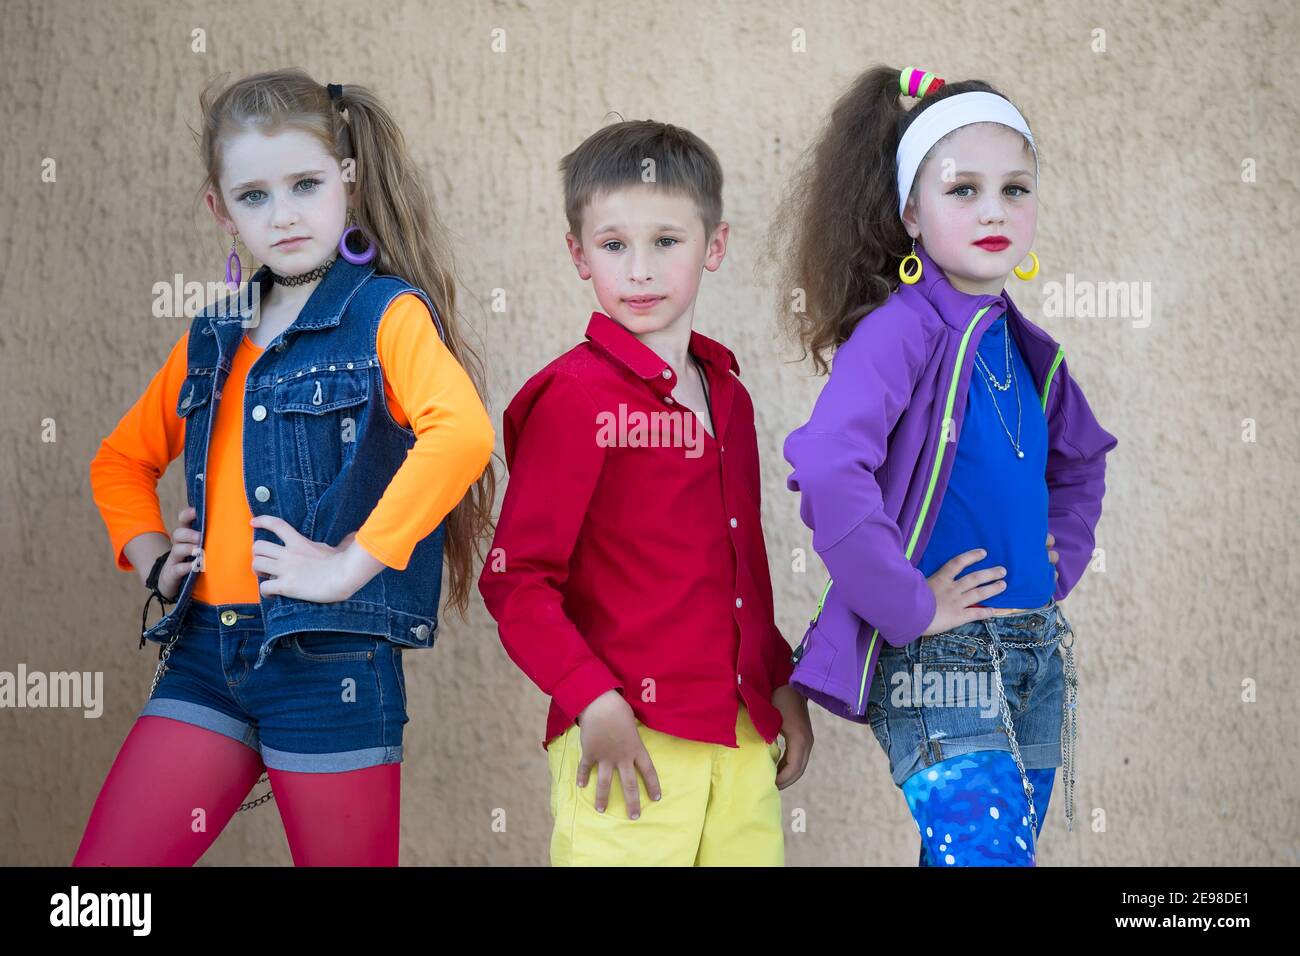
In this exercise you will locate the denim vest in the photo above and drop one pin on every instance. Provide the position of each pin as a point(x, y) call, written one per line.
point(320, 446)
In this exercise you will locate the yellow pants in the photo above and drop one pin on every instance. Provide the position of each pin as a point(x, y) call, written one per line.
point(720, 805)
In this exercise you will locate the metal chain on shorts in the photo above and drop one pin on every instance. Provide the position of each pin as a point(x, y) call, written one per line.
point(157, 676)
point(1069, 741)
point(999, 655)
point(162, 662)
point(260, 800)
point(1069, 725)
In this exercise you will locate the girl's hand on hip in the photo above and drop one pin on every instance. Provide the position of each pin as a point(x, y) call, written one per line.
point(310, 570)
point(184, 556)
point(953, 596)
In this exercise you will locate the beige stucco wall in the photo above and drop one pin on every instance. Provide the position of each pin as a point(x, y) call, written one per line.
point(1142, 150)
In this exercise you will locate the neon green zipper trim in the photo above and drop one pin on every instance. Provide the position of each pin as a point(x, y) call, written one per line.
point(929, 491)
point(825, 591)
point(1051, 372)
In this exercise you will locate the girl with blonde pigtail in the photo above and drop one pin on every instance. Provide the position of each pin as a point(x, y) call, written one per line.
point(336, 455)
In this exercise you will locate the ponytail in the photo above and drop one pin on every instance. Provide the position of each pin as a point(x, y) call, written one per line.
point(837, 235)
point(394, 206)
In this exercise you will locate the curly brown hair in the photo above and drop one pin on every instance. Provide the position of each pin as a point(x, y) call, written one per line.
point(836, 235)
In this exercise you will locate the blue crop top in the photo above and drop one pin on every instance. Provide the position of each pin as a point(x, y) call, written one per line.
point(995, 500)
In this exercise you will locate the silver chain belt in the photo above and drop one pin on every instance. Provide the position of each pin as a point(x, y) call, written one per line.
point(1069, 725)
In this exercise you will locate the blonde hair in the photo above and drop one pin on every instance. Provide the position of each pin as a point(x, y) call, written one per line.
point(393, 205)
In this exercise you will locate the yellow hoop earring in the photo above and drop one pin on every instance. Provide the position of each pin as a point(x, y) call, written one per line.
point(911, 278)
point(1031, 273)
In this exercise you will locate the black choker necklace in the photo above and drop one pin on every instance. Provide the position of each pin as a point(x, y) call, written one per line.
point(312, 276)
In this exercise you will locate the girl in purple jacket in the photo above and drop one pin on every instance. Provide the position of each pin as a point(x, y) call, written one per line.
point(949, 443)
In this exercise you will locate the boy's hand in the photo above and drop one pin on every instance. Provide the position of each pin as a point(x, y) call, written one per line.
point(1052, 555)
point(310, 570)
point(610, 742)
point(796, 728)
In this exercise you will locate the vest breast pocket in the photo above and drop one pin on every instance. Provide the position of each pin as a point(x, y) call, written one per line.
point(195, 393)
point(320, 414)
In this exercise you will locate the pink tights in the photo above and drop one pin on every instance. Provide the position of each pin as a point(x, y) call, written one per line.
point(174, 787)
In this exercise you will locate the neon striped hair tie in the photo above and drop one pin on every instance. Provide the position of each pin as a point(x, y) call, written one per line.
point(917, 83)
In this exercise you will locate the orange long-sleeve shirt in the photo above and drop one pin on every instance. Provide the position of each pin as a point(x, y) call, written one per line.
point(427, 391)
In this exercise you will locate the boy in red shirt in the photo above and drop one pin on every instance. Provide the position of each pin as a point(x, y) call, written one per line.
point(628, 576)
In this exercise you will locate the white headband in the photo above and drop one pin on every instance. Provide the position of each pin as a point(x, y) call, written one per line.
point(948, 114)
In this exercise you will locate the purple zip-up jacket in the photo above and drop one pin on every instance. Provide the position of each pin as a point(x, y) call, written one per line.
point(872, 463)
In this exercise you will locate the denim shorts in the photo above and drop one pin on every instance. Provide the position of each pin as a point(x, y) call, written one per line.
point(322, 701)
point(1004, 683)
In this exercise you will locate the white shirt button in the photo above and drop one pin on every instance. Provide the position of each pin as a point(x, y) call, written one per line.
point(738, 680)
point(733, 522)
point(739, 602)
point(259, 413)
point(668, 373)
point(263, 493)
point(668, 399)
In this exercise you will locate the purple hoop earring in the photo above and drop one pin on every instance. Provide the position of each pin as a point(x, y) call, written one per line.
point(239, 266)
point(357, 258)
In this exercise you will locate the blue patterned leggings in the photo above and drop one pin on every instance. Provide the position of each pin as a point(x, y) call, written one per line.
point(971, 810)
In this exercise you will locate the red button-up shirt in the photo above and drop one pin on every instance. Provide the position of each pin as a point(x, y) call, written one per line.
point(629, 552)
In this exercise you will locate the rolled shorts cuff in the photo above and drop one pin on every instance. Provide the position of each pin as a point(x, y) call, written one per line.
point(217, 722)
point(331, 763)
point(1037, 756)
point(205, 717)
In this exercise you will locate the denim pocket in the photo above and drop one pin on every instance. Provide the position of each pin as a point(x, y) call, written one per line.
point(194, 394)
point(320, 414)
point(952, 650)
point(333, 646)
